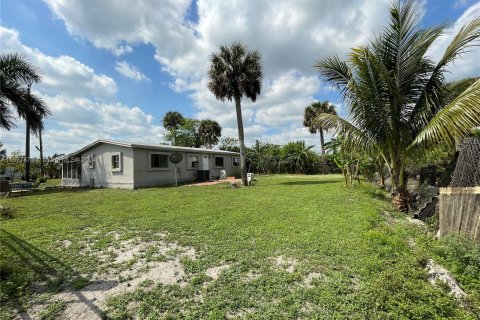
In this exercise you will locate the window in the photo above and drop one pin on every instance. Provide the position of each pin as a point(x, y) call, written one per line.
point(219, 162)
point(91, 161)
point(235, 161)
point(192, 161)
point(158, 161)
point(116, 161)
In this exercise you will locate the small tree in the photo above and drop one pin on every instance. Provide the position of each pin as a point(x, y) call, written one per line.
point(309, 117)
point(172, 122)
point(210, 132)
point(235, 72)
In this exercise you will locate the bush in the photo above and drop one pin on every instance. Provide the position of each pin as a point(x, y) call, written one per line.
point(6, 213)
point(42, 180)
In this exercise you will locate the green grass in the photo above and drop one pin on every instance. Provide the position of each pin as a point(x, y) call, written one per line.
point(352, 237)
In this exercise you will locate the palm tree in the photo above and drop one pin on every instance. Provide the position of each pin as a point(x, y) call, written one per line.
point(172, 121)
point(16, 77)
point(235, 72)
point(394, 91)
point(311, 113)
point(210, 132)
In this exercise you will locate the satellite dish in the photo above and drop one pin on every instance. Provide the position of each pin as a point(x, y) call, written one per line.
point(175, 157)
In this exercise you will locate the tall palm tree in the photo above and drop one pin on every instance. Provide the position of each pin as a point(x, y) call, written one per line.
point(395, 92)
point(309, 116)
point(172, 121)
point(236, 72)
point(16, 77)
point(210, 132)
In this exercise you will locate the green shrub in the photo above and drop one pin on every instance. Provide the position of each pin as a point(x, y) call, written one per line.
point(6, 213)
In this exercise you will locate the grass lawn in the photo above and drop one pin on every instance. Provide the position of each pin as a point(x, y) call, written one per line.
point(287, 247)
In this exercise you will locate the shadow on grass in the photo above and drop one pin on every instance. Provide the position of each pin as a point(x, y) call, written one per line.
point(307, 182)
point(378, 193)
point(27, 260)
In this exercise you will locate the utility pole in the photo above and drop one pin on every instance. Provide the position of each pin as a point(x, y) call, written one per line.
point(42, 169)
point(27, 142)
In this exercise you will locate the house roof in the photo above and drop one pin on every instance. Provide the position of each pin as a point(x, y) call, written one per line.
point(150, 147)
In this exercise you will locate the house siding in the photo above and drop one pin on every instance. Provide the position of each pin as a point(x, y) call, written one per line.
point(145, 177)
point(102, 174)
point(135, 168)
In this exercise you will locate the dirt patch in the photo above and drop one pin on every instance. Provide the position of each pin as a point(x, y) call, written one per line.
point(128, 265)
point(285, 263)
point(311, 277)
point(252, 275)
point(242, 313)
point(438, 273)
point(215, 272)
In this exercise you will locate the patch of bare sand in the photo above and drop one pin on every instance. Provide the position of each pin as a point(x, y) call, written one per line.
point(285, 263)
point(87, 302)
point(311, 277)
point(215, 272)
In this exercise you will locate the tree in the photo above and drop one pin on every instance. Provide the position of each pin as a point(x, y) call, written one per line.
point(210, 132)
point(16, 77)
point(236, 72)
point(310, 114)
point(229, 144)
point(172, 122)
point(3, 152)
point(395, 92)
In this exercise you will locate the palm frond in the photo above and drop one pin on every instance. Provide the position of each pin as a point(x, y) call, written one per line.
point(346, 129)
point(334, 71)
point(455, 120)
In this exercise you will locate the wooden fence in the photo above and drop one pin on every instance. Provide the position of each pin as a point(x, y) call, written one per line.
point(459, 212)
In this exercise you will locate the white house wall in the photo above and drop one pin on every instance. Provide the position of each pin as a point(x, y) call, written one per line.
point(102, 173)
point(145, 177)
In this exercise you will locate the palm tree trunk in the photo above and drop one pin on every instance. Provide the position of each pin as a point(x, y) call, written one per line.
point(42, 169)
point(322, 145)
point(241, 140)
point(27, 150)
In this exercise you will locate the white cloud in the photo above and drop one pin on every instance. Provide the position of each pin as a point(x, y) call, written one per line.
point(290, 35)
point(62, 74)
point(78, 121)
point(466, 65)
point(130, 71)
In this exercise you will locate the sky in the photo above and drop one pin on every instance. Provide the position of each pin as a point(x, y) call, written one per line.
point(111, 69)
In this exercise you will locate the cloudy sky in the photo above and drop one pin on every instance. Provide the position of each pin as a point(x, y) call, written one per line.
point(111, 69)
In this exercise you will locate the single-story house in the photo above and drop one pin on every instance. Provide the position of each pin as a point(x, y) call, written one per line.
point(116, 164)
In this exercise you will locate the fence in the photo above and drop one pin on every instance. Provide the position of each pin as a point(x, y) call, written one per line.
point(459, 212)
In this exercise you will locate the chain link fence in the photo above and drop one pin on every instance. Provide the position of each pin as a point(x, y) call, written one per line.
point(467, 171)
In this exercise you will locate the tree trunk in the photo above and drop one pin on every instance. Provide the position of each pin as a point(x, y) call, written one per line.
point(42, 169)
point(27, 150)
point(322, 145)
point(27, 145)
point(241, 139)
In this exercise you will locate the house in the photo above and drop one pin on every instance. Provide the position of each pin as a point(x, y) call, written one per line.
point(116, 164)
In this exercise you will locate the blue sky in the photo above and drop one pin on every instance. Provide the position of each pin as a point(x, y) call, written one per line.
point(112, 70)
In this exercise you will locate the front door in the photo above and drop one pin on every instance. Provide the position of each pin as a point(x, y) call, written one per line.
point(205, 163)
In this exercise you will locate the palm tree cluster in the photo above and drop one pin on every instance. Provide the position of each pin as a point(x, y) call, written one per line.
point(16, 78)
point(397, 96)
point(188, 132)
